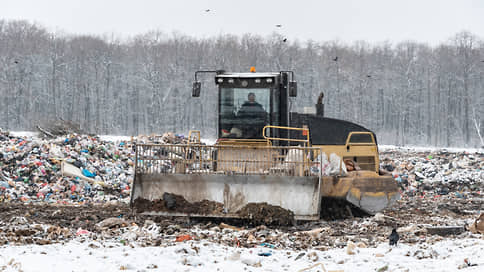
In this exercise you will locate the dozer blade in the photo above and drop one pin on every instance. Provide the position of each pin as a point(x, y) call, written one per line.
point(364, 189)
point(225, 181)
point(226, 196)
point(373, 195)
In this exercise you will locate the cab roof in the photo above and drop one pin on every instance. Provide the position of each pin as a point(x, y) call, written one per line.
point(247, 75)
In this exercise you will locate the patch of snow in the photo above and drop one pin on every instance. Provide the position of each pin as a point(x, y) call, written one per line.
point(209, 141)
point(114, 138)
point(430, 149)
point(29, 134)
point(446, 255)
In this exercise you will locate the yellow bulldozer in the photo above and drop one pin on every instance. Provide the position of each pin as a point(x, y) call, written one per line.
point(264, 157)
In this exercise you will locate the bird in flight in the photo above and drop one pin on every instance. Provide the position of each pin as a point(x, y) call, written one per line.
point(394, 237)
point(207, 10)
point(278, 25)
point(284, 40)
point(336, 58)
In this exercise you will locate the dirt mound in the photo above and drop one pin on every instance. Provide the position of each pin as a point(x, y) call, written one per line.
point(177, 203)
point(266, 214)
point(256, 213)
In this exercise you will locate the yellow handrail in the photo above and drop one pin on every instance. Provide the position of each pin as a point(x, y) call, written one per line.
point(306, 130)
point(196, 137)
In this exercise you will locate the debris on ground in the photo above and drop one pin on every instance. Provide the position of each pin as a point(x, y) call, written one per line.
point(445, 230)
point(266, 214)
point(438, 172)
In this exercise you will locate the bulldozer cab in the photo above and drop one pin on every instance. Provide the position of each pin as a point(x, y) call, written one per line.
point(247, 102)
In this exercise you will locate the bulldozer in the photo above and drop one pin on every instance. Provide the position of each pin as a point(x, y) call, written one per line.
point(265, 156)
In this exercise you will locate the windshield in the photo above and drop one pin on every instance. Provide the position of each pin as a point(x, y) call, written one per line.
point(244, 112)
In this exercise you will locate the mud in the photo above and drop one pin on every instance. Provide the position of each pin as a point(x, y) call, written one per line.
point(266, 214)
point(177, 203)
point(253, 213)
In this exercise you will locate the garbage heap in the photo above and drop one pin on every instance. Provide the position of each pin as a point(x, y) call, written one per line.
point(437, 172)
point(32, 169)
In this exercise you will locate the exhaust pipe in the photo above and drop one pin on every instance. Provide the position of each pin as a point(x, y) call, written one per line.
point(320, 105)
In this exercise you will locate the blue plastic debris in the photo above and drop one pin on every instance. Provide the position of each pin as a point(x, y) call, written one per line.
point(267, 245)
point(265, 253)
point(87, 173)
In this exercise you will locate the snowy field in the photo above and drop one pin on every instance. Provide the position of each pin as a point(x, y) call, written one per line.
point(446, 255)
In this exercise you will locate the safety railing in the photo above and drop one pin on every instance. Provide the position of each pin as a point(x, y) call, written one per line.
point(194, 137)
point(227, 160)
point(305, 132)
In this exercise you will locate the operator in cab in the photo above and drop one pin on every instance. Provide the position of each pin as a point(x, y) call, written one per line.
point(254, 115)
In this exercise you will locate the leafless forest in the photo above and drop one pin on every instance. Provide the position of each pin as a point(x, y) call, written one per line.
point(408, 92)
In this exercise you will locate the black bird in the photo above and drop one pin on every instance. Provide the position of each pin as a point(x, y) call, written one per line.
point(394, 237)
point(16, 62)
point(278, 25)
point(336, 58)
point(207, 10)
point(284, 40)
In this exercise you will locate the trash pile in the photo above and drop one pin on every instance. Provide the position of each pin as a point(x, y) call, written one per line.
point(31, 169)
point(166, 138)
point(438, 172)
point(70, 169)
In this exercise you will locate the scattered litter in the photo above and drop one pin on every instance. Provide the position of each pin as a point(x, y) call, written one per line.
point(82, 232)
point(265, 253)
point(445, 230)
point(183, 238)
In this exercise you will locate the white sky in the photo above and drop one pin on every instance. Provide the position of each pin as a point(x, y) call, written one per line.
point(431, 21)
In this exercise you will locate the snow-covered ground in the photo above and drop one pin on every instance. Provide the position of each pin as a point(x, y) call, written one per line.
point(446, 255)
point(430, 149)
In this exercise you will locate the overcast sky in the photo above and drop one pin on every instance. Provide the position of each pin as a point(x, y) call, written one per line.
point(431, 21)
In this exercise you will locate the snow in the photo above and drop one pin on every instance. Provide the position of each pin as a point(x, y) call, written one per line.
point(209, 141)
point(446, 255)
point(29, 134)
point(114, 138)
point(430, 149)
